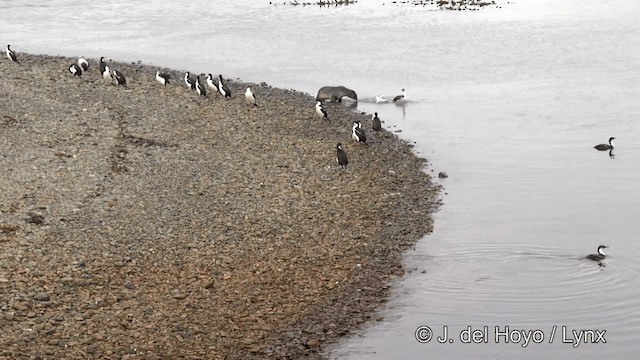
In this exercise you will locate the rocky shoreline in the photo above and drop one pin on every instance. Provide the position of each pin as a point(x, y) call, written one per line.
point(152, 223)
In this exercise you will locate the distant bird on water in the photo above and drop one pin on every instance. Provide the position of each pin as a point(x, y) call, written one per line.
point(375, 122)
point(191, 84)
point(120, 79)
point(222, 87)
point(321, 111)
point(381, 99)
point(402, 97)
point(84, 64)
point(75, 70)
point(599, 256)
point(357, 132)
point(12, 55)
point(603, 147)
point(251, 99)
point(341, 156)
point(212, 85)
point(200, 88)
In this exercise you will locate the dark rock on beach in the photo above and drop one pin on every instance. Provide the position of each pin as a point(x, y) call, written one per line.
point(164, 225)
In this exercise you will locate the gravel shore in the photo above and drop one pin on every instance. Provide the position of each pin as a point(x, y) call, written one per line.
point(149, 222)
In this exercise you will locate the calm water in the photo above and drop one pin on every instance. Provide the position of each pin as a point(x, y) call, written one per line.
point(509, 102)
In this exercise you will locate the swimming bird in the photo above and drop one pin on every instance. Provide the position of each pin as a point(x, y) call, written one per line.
point(599, 256)
point(357, 132)
point(84, 64)
point(602, 147)
point(12, 55)
point(202, 91)
point(75, 70)
point(381, 99)
point(321, 111)
point(341, 156)
point(120, 79)
point(375, 122)
point(191, 84)
point(400, 97)
point(212, 85)
point(103, 65)
point(222, 87)
point(106, 74)
point(162, 78)
point(251, 99)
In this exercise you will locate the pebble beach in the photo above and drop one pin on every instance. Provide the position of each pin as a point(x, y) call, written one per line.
point(149, 222)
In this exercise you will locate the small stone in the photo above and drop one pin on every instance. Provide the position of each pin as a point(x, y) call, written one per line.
point(9, 316)
point(31, 314)
point(36, 219)
point(209, 285)
point(180, 295)
point(20, 306)
point(312, 343)
point(442, 175)
point(41, 296)
point(98, 336)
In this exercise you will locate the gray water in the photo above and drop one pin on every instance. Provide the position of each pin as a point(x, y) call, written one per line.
point(509, 102)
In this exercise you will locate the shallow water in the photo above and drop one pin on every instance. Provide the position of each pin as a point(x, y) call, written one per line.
point(509, 102)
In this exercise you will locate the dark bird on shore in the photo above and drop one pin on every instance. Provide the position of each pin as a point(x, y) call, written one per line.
point(603, 147)
point(251, 99)
point(222, 87)
point(106, 75)
point(84, 64)
point(341, 156)
point(162, 78)
point(599, 256)
point(321, 111)
point(212, 84)
point(12, 55)
point(357, 132)
point(120, 79)
point(200, 88)
point(191, 84)
point(102, 65)
point(75, 70)
point(402, 97)
point(375, 122)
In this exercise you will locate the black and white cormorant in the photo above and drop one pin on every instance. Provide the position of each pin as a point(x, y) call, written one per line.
point(212, 85)
point(75, 70)
point(120, 79)
point(106, 74)
point(84, 64)
point(162, 78)
point(321, 111)
point(251, 99)
point(341, 156)
point(200, 88)
point(375, 122)
point(402, 97)
point(12, 55)
point(222, 87)
point(102, 65)
point(357, 132)
point(191, 84)
point(603, 147)
point(599, 256)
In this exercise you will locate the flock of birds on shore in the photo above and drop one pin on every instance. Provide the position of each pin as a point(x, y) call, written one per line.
point(218, 85)
point(357, 132)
